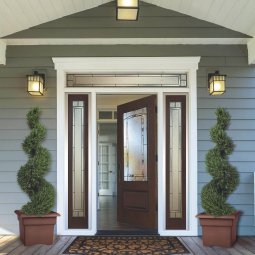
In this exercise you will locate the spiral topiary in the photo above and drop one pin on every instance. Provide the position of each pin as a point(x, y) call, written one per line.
point(225, 177)
point(30, 176)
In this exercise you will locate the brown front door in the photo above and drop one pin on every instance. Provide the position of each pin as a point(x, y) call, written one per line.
point(137, 167)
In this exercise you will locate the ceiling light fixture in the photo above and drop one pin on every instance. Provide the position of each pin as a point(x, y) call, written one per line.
point(127, 9)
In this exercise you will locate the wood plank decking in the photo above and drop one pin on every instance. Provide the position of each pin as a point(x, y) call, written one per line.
point(11, 245)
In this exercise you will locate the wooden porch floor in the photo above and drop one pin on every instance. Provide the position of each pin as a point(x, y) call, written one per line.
point(11, 245)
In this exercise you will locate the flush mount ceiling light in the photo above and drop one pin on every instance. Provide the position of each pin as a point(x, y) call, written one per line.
point(127, 9)
point(216, 83)
point(36, 84)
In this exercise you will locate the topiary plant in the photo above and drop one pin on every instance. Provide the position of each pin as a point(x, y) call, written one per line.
point(30, 176)
point(225, 177)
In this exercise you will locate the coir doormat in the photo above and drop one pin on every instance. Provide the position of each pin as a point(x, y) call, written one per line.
point(126, 245)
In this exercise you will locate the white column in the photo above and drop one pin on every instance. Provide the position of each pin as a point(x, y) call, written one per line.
point(62, 181)
point(192, 156)
point(93, 165)
point(161, 166)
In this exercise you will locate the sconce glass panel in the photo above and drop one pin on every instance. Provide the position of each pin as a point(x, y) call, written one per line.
point(216, 84)
point(35, 84)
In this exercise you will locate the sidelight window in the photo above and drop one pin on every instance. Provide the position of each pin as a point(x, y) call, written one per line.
point(78, 161)
point(175, 162)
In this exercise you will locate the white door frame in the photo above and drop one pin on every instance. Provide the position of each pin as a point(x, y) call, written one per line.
point(126, 65)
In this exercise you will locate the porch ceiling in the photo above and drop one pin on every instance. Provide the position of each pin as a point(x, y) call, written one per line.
point(17, 15)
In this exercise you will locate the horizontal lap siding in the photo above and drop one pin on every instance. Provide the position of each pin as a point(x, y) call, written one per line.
point(15, 102)
point(239, 100)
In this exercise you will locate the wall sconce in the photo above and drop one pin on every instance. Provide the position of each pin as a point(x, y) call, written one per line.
point(127, 9)
point(216, 83)
point(36, 84)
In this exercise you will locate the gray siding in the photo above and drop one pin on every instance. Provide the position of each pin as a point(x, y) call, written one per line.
point(239, 100)
point(153, 22)
point(15, 102)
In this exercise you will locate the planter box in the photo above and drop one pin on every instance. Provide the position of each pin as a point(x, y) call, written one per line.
point(219, 231)
point(36, 229)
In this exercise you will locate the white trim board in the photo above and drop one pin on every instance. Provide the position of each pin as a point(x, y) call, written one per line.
point(2, 52)
point(127, 41)
point(129, 65)
point(251, 51)
point(119, 41)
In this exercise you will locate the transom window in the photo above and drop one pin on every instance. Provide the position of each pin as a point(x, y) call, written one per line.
point(136, 80)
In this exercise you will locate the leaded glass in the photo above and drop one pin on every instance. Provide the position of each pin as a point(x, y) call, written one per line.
point(175, 176)
point(78, 206)
point(135, 145)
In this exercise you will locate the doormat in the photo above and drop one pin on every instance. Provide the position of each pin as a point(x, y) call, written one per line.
point(126, 245)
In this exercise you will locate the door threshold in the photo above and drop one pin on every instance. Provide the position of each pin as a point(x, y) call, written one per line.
point(127, 233)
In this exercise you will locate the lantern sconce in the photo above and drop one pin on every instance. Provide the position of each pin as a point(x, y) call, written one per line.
point(127, 10)
point(216, 83)
point(36, 84)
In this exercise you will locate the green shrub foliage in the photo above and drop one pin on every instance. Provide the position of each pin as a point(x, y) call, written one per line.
point(30, 176)
point(225, 177)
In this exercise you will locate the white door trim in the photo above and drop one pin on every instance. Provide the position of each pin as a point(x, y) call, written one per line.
point(125, 65)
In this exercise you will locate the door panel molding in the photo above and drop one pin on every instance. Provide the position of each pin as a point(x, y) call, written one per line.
point(136, 200)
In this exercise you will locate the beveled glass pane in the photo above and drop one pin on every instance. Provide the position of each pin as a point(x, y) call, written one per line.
point(175, 171)
point(78, 159)
point(135, 145)
point(103, 167)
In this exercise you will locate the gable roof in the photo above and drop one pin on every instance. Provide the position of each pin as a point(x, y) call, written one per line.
point(17, 15)
point(30, 18)
point(153, 22)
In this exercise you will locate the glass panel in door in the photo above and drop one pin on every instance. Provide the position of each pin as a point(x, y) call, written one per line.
point(135, 145)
